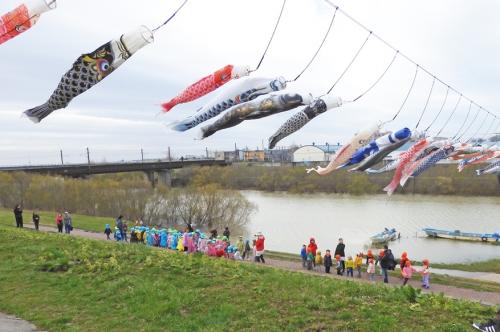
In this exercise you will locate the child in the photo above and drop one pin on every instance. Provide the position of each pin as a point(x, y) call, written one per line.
point(407, 272)
point(371, 269)
point(402, 261)
point(318, 261)
point(327, 260)
point(339, 265)
point(369, 254)
point(237, 255)
point(425, 274)
point(358, 262)
point(107, 231)
point(349, 264)
point(246, 252)
point(310, 260)
point(303, 255)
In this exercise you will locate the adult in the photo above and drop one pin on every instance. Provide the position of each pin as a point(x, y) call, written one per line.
point(259, 248)
point(226, 232)
point(340, 250)
point(312, 246)
point(387, 262)
point(68, 223)
point(213, 234)
point(189, 228)
point(18, 214)
point(59, 222)
point(36, 219)
point(119, 225)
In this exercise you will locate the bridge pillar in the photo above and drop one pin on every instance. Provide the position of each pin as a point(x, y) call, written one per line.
point(152, 178)
point(165, 178)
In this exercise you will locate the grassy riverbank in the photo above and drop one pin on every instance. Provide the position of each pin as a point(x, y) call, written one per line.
point(67, 283)
point(86, 223)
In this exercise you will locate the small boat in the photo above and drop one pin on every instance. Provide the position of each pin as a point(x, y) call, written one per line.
point(385, 236)
point(458, 235)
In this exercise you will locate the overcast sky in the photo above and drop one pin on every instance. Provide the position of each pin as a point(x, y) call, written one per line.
point(455, 39)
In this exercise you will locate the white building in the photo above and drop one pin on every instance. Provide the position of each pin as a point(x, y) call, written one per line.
point(309, 153)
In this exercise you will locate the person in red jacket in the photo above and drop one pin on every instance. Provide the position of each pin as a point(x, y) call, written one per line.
point(259, 248)
point(312, 247)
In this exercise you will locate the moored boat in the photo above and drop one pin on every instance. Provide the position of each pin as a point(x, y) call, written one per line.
point(385, 236)
point(458, 235)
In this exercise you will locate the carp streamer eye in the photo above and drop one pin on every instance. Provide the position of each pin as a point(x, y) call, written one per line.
point(104, 66)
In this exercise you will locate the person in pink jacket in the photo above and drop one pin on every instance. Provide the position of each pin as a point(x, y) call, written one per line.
point(407, 272)
point(425, 274)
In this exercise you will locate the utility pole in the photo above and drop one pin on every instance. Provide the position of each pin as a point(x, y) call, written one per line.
point(88, 156)
point(169, 157)
point(142, 155)
point(62, 159)
point(206, 150)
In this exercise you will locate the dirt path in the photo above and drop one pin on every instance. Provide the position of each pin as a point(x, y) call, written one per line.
point(12, 324)
point(489, 298)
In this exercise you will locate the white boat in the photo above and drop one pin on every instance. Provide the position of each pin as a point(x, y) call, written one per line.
point(458, 235)
point(385, 236)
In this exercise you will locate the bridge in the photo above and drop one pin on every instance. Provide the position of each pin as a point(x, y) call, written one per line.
point(158, 171)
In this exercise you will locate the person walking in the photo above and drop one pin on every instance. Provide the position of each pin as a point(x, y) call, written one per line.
point(327, 260)
point(59, 222)
point(68, 223)
point(248, 249)
point(36, 219)
point(119, 225)
point(387, 262)
point(259, 248)
point(340, 250)
point(18, 214)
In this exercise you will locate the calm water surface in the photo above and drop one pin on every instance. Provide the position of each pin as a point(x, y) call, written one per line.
point(289, 220)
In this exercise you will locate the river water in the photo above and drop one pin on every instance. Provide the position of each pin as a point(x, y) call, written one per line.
point(289, 220)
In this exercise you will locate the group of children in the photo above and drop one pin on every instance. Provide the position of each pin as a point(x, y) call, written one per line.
point(313, 260)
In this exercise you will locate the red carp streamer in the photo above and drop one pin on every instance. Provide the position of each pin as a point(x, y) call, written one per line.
point(206, 85)
point(22, 18)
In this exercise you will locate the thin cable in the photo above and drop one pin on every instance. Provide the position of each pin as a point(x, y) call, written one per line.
point(320, 46)
point(49, 4)
point(272, 36)
point(488, 132)
point(379, 78)
point(408, 94)
point(426, 103)
point(478, 129)
point(449, 118)
point(440, 110)
point(470, 125)
point(349, 65)
point(171, 17)
point(463, 124)
point(401, 53)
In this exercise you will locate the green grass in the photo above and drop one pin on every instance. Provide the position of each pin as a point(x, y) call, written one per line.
point(64, 283)
point(87, 223)
point(492, 265)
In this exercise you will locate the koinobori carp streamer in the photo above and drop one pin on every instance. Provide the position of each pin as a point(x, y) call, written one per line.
point(404, 159)
point(491, 168)
point(234, 93)
point(206, 85)
point(22, 18)
point(255, 109)
point(375, 145)
point(91, 68)
point(343, 155)
point(300, 119)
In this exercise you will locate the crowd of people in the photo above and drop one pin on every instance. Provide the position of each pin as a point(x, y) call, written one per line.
point(189, 240)
point(62, 221)
point(312, 259)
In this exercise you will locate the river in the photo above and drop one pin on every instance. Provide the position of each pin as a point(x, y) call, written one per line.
point(289, 220)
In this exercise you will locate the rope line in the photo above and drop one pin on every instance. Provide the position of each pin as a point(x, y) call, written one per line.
point(49, 4)
point(470, 125)
point(488, 132)
point(349, 65)
point(426, 103)
point(440, 110)
point(478, 129)
point(171, 17)
point(449, 118)
point(272, 36)
point(404, 55)
point(463, 124)
point(320, 46)
point(408, 94)
point(379, 78)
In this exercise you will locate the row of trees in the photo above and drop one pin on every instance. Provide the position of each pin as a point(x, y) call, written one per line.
point(439, 180)
point(206, 206)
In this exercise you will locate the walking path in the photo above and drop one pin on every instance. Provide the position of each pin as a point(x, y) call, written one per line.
point(13, 324)
point(489, 298)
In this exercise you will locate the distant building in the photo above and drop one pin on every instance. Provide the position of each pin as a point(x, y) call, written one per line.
point(279, 155)
point(257, 155)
